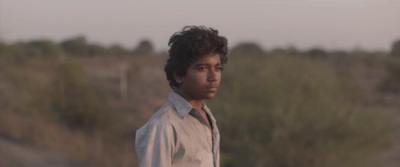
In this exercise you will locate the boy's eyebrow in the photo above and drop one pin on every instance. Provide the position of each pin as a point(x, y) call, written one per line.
point(206, 64)
point(202, 64)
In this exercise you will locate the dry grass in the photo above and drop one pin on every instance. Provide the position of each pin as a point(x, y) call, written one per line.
point(280, 111)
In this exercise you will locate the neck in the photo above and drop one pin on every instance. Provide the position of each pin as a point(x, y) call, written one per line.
point(196, 103)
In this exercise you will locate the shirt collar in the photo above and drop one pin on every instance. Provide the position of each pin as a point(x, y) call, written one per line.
point(205, 108)
point(181, 105)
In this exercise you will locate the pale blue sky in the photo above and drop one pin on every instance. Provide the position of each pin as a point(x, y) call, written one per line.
point(330, 24)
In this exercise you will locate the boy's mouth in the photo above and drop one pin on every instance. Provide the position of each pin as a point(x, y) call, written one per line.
point(212, 88)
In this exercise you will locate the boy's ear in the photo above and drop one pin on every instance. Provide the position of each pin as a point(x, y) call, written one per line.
point(177, 78)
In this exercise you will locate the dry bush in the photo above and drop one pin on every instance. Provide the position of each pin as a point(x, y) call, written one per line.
point(290, 111)
point(30, 114)
point(391, 83)
point(79, 103)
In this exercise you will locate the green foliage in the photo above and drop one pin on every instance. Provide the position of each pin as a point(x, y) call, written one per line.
point(396, 49)
point(144, 48)
point(317, 53)
point(21, 52)
point(25, 100)
point(79, 46)
point(31, 116)
point(23, 91)
point(116, 50)
point(288, 51)
point(391, 83)
point(96, 50)
point(245, 49)
point(292, 112)
point(80, 104)
point(45, 48)
point(75, 46)
point(13, 52)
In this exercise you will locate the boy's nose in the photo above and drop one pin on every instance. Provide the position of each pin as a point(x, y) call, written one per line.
point(212, 75)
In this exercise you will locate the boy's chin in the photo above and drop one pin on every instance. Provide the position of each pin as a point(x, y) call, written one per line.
point(209, 96)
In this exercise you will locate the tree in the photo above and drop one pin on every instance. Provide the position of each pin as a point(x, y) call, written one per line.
point(117, 50)
point(144, 48)
point(44, 48)
point(75, 46)
point(396, 49)
point(96, 50)
point(247, 49)
point(317, 53)
point(391, 83)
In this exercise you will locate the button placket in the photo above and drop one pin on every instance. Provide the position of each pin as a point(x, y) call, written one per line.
point(206, 129)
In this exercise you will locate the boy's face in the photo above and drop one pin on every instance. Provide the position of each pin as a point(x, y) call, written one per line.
point(202, 78)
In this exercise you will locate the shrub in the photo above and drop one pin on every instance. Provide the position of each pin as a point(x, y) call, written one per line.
point(44, 48)
point(80, 104)
point(395, 49)
point(292, 112)
point(22, 52)
point(391, 83)
point(75, 46)
point(144, 48)
point(245, 49)
point(317, 53)
point(117, 50)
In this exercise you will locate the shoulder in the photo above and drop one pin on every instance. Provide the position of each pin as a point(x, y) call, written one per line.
point(162, 118)
point(166, 115)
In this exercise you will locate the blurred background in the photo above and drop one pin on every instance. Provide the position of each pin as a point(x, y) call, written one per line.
point(308, 83)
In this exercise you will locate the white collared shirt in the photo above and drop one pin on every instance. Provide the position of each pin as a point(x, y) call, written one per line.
point(177, 136)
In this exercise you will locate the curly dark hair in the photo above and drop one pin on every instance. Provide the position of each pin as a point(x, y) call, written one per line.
point(190, 44)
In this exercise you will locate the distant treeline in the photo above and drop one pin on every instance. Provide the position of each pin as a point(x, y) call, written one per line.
point(79, 46)
point(255, 49)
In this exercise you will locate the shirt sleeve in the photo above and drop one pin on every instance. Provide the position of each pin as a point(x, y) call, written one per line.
point(155, 145)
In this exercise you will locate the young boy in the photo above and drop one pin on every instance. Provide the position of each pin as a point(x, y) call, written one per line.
point(183, 132)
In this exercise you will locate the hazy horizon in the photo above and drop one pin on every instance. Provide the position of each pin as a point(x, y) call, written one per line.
point(370, 25)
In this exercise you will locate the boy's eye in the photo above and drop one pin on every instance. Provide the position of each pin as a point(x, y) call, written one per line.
point(202, 68)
